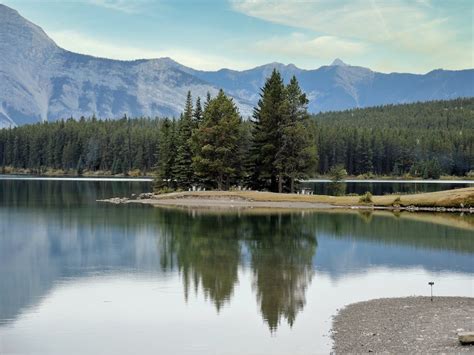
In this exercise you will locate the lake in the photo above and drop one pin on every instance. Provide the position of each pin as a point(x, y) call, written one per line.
point(384, 187)
point(80, 277)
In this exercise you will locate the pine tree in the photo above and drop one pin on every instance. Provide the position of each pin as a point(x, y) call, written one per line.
point(267, 118)
point(208, 99)
point(216, 143)
point(197, 115)
point(182, 169)
point(296, 156)
point(166, 156)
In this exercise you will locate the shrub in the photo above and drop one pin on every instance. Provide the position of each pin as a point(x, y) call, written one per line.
point(164, 190)
point(431, 169)
point(337, 173)
point(135, 173)
point(366, 198)
point(397, 202)
point(337, 188)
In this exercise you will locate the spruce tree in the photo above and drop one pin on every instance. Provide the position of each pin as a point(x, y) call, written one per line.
point(182, 169)
point(166, 156)
point(197, 115)
point(296, 156)
point(216, 143)
point(267, 118)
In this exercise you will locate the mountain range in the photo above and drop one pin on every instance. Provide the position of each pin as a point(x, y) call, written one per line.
point(39, 81)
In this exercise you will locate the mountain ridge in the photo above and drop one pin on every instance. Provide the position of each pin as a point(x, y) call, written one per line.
point(40, 81)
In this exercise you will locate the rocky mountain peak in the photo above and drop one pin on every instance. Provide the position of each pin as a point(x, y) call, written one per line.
point(338, 63)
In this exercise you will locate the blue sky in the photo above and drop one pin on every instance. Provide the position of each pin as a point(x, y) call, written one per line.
point(391, 35)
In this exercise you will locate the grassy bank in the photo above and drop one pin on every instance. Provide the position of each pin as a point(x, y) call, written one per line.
point(457, 198)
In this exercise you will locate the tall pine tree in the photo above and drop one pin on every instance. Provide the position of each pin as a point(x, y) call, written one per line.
point(296, 156)
point(216, 143)
point(266, 143)
point(166, 156)
point(182, 169)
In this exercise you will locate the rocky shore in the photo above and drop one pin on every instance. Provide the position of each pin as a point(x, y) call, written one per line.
point(404, 325)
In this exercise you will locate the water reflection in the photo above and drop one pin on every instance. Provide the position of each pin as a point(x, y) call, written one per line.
point(208, 250)
point(48, 234)
point(282, 251)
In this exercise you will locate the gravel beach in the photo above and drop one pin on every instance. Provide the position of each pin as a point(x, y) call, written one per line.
point(404, 325)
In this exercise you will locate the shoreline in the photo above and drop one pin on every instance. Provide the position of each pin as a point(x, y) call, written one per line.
point(461, 180)
point(456, 200)
point(403, 325)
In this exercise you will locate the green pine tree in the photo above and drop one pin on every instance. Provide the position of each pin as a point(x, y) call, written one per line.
point(296, 156)
point(216, 143)
point(166, 156)
point(197, 115)
point(182, 169)
point(267, 132)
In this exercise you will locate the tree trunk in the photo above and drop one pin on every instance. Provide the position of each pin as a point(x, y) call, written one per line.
point(273, 183)
point(219, 182)
point(292, 185)
point(280, 184)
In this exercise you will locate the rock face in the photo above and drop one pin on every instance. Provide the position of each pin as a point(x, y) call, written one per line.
point(40, 81)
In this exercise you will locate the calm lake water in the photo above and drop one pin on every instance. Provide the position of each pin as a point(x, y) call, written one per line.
point(78, 277)
point(387, 187)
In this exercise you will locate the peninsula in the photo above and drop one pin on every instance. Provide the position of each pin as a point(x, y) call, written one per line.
point(457, 200)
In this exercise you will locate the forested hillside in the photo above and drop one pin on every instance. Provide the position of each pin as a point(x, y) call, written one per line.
point(423, 139)
point(115, 146)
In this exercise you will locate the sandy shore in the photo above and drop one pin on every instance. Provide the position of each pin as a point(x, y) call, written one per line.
point(457, 200)
point(229, 203)
point(404, 325)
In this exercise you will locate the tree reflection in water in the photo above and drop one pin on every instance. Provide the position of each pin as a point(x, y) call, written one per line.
point(209, 248)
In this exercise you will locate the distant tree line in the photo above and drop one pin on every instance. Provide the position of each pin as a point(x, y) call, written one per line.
point(422, 139)
point(210, 145)
point(115, 146)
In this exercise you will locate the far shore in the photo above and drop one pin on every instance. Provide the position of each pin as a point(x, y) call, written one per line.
point(137, 175)
point(456, 200)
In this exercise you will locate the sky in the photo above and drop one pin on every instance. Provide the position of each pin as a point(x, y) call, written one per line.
point(414, 36)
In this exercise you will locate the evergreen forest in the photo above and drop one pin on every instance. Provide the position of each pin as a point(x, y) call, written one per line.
point(210, 145)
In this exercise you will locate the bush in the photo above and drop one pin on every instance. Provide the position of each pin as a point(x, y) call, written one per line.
point(397, 202)
point(431, 169)
point(337, 173)
point(366, 198)
point(164, 190)
point(337, 188)
point(135, 173)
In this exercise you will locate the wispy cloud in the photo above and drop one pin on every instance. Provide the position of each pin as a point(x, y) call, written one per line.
point(409, 25)
point(126, 6)
point(324, 48)
point(81, 43)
